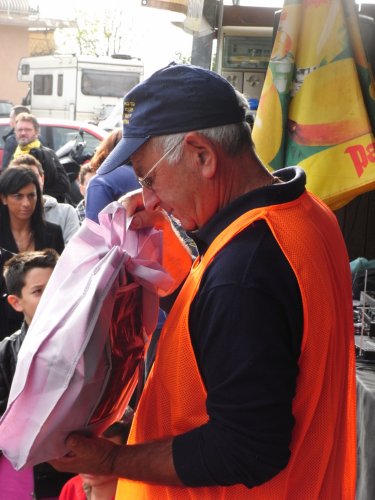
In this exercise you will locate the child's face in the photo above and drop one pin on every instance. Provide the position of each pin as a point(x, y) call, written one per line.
point(35, 282)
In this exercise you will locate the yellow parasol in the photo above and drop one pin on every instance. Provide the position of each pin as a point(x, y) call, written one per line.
point(317, 108)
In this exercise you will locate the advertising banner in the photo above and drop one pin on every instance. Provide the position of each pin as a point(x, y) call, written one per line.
point(317, 107)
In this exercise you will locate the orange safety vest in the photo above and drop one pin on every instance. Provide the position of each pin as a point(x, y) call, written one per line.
point(323, 446)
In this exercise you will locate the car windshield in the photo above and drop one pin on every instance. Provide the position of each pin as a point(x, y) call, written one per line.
point(56, 136)
point(4, 130)
point(5, 108)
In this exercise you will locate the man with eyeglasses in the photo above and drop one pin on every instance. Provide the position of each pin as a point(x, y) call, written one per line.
point(57, 182)
point(252, 390)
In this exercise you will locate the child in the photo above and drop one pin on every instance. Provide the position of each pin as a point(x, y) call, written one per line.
point(26, 276)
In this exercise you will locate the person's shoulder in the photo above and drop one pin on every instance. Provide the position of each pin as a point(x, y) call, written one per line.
point(10, 138)
point(68, 215)
point(13, 342)
point(11, 338)
point(49, 201)
point(46, 149)
point(66, 208)
point(53, 229)
point(60, 210)
point(44, 155)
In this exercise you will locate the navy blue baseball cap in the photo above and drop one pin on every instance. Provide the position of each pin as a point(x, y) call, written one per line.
point(178, 98)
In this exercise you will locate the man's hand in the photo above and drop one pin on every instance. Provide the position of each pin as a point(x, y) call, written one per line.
point(132, 201)
point(149, 462)
point(90, 455)
point(134, 206)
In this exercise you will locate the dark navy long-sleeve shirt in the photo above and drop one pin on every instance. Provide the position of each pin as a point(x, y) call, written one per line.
point(246, 325)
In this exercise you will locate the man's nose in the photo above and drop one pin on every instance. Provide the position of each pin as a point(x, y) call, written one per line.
point(150, 200)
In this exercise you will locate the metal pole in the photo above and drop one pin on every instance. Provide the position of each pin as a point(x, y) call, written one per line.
point(201, 53)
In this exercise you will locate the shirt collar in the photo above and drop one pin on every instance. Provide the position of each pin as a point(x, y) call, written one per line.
point(293, 186)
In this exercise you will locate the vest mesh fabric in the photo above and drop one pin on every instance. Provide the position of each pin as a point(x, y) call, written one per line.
point(322, 463)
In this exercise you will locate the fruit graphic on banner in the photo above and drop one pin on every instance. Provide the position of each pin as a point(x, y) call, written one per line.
point(317, 108)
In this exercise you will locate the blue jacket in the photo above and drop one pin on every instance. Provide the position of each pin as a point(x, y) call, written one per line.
point(103, 189)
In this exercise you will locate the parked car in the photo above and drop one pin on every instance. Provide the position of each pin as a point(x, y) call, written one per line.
point(56, 133)
point(5, 108)
point(114, 119)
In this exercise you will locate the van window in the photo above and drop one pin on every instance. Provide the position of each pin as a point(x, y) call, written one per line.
point(61, 135)
point(95, 82)
point(42, 85)
point(60, 88)
point(25, 69)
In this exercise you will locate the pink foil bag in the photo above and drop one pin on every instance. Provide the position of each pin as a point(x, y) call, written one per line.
point(78, 365)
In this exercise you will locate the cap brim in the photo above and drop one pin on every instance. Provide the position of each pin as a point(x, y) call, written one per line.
point(121, 153)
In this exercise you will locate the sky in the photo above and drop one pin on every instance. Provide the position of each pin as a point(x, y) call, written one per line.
point(149, 32)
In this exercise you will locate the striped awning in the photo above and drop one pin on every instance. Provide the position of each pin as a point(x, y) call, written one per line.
point(20, 7)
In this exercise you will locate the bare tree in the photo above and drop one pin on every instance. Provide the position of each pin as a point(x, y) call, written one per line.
point(95, 35)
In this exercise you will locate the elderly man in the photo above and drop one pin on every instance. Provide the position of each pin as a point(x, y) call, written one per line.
point(56, 183)
point(252, 390)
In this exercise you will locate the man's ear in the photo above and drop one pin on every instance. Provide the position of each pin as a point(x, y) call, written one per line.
point(204, 152)
point(15, 302)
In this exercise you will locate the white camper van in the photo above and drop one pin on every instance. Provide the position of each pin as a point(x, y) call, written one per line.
point(77, 87)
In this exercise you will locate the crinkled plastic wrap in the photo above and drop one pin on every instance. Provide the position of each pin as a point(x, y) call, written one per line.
point(78, 365)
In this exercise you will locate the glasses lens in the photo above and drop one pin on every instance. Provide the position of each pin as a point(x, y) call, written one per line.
point(146, 182)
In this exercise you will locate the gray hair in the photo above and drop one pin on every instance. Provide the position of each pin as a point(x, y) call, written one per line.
point(232, 138)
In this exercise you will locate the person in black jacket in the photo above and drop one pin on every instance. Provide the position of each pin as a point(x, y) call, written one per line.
point(23, 228)
point(10, 141)
point(56, 180)
point(26, 276)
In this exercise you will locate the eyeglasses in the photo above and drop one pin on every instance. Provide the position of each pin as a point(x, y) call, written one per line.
point(147, 181)
point(24, 130)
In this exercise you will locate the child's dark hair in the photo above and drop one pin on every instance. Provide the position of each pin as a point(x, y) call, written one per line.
point(16, 268)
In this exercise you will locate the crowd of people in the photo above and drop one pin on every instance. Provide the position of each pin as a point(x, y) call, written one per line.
point(252, 390)
point(37, 220)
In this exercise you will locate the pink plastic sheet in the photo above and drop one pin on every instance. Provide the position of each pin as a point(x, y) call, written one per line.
point(78, 365)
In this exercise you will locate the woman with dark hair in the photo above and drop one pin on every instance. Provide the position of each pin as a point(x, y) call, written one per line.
point(23, 228)
point(103, 189)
